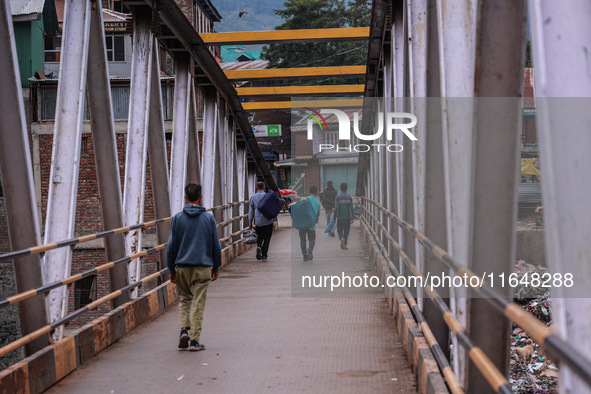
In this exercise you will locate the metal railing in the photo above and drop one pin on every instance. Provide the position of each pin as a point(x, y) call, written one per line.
point(555, 346)
point(17, 298)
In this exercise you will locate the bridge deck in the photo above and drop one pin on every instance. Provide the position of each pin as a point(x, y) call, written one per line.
point(259, 338)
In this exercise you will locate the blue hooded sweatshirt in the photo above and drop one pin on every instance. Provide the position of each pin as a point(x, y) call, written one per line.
point(193, 240)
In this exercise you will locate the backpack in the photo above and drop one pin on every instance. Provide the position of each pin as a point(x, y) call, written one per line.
point(303, 214)
point(270, 205)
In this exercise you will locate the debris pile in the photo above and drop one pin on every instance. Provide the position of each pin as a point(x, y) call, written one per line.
point(526, 274)
point(530, 370)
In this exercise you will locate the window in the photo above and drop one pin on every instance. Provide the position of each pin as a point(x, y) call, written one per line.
point(85, 291)
point(52, 48)
point(120, 7)
point(115, 48)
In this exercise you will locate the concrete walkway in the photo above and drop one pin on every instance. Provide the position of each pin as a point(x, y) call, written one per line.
point(260, 338)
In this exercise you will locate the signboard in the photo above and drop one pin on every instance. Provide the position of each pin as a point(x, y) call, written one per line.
point(529, 112)
point(267, 130)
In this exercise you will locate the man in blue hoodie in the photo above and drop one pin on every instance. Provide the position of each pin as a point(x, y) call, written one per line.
point(194, 257)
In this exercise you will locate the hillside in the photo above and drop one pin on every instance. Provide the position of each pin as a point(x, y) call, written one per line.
point(259, 15)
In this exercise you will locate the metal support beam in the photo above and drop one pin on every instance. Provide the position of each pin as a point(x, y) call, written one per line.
point(398, 42)
point(299, 73)
point(318, 90)
point(389, 181)
point(456, 22)
point(242, 178)
point(286, 36)
point(158, 156)
point(193, 155)
point(417, 48)
point(560, 42)
point(435, 214)
point(219, 166)
point(67, 136)
point(274, 105)
point(210, 115)
point(180, 133)
point(135, 158)
point(379, 11)
point(496, 168)
point(105, 150)
point(19, 191)
point(236, 191)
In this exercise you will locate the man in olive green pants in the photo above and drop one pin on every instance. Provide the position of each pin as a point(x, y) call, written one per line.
point(193, 257)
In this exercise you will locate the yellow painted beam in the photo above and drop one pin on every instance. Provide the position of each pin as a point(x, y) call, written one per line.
point(287, 36)
point(300, 90)
point(271, 105)
point(302, 72)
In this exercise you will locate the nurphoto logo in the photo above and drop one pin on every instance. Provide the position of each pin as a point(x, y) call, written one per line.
point(394, 121)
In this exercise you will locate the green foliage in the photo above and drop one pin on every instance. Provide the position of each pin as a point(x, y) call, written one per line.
point(320, 14)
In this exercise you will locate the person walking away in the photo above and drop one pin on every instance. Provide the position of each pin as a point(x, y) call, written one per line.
point(264, 226)
point(344, 215)
point(310, 233)
point(193, 257)
point(328, 200)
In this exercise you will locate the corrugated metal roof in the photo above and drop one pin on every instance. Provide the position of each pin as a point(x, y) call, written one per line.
point(108, 15)
point(253, 65)
point(113, 78)
point(26, 7)
point(113, 16)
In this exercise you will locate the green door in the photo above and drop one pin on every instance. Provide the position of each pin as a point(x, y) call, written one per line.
point(339, 173)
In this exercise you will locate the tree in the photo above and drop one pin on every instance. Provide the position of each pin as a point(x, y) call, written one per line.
point(320, 14)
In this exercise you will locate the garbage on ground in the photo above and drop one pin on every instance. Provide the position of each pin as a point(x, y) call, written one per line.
point(539, 374)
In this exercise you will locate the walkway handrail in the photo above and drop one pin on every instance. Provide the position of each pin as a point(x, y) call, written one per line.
point(90, 237)
point(78, 240)
point(448, 372)
point(17, 298)
point(50, 327)
point(226, 239)
point(93, 271)
point(539, 331)
point(73, 278)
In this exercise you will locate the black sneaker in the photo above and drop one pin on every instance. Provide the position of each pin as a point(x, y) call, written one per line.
point(310, 255)
point(195, 346)
point(184, 339)
point(264, 258)
point(306, 258)
point(259, 253)
point(331, 234)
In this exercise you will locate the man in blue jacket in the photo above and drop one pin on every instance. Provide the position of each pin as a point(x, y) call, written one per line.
point(194, 257)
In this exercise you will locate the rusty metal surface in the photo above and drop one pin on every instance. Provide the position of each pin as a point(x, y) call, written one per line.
point(259, 339)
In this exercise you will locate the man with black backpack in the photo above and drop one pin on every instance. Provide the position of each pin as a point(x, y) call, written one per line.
point(264, 225)
point(344, 215)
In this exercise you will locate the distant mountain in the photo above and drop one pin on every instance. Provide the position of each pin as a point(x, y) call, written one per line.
point(258, 15)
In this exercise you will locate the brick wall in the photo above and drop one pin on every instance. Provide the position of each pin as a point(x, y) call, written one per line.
point(188, 9)
point(89, 219)
point(9, 322)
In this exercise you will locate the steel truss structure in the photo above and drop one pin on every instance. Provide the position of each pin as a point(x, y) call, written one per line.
point(227, 169)
point(457, 183)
